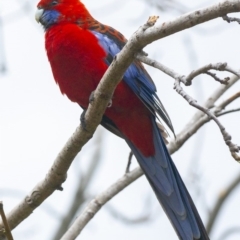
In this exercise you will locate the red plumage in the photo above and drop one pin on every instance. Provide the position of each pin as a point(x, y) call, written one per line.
point(69, 47)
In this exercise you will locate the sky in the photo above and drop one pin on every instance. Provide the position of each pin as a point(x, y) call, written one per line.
point(36, 121)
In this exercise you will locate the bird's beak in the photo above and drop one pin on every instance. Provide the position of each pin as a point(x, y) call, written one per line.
point(39, 14)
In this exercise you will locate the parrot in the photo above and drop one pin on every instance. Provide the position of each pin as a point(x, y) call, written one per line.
point(80, 49)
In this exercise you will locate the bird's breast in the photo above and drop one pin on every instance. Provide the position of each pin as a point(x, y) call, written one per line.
point(76, 59)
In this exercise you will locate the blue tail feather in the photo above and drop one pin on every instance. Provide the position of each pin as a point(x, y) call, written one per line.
point(170, 190)
point(155, 174)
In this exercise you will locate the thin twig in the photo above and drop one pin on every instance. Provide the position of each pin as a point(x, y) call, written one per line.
point(199, 118)
point(229, 232)
point(153, 63)
point(231, 19)
point(226, 136)
point(205, 69)
point(220, 201)
point(227, 112)
point(187, 80)
point(145, 217)
point(227, 102)
point(95, 205)
point(7, 230)
point(214, 75)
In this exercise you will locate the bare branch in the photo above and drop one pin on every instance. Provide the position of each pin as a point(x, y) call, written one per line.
point(95, 205)
point(231, 19)
point(226, 136)
point(214, 76)
point(229, 232)
point(189, 20)
point(153, 63)
point(199, 119)
point(145, 217)
point(220, 201)
point(187, 80)
point(80, 192)
point(205, 69)
point(6, 230)
point(227, 112)
point(227, 102)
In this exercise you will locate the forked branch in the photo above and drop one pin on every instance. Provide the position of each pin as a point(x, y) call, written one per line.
point(187, 80)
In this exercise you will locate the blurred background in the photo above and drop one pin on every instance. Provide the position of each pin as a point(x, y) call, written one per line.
point(36, 121)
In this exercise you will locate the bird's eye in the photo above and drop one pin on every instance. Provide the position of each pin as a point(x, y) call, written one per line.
point(53, 3)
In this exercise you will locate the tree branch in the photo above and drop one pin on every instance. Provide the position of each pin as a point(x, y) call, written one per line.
point(95, 205)
point(187, 80)
point(81, 190)
point(145, 217)
point(6, 231)
point(188, 20)
point(228, 101)
point(227, 112)
point(220, 201)
point(205, 69)
point(234, 148)
point(229, 232)
point(199, 119)
point(145, 35)
point(231, 19)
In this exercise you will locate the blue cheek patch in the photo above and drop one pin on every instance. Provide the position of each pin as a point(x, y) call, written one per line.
point(49, 17)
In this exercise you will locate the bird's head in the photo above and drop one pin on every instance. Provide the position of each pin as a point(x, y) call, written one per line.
point(51, 12)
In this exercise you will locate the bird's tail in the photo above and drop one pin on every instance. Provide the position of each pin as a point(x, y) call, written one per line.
point(170, 190)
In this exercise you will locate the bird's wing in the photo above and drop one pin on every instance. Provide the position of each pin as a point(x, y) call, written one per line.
point(136, 76)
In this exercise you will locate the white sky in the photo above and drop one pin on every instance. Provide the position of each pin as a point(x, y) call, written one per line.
point(36, 120)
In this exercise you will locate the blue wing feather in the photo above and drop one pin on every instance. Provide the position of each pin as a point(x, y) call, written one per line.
point(137, 79)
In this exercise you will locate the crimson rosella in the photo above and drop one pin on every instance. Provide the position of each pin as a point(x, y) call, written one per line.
point(80, 49)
